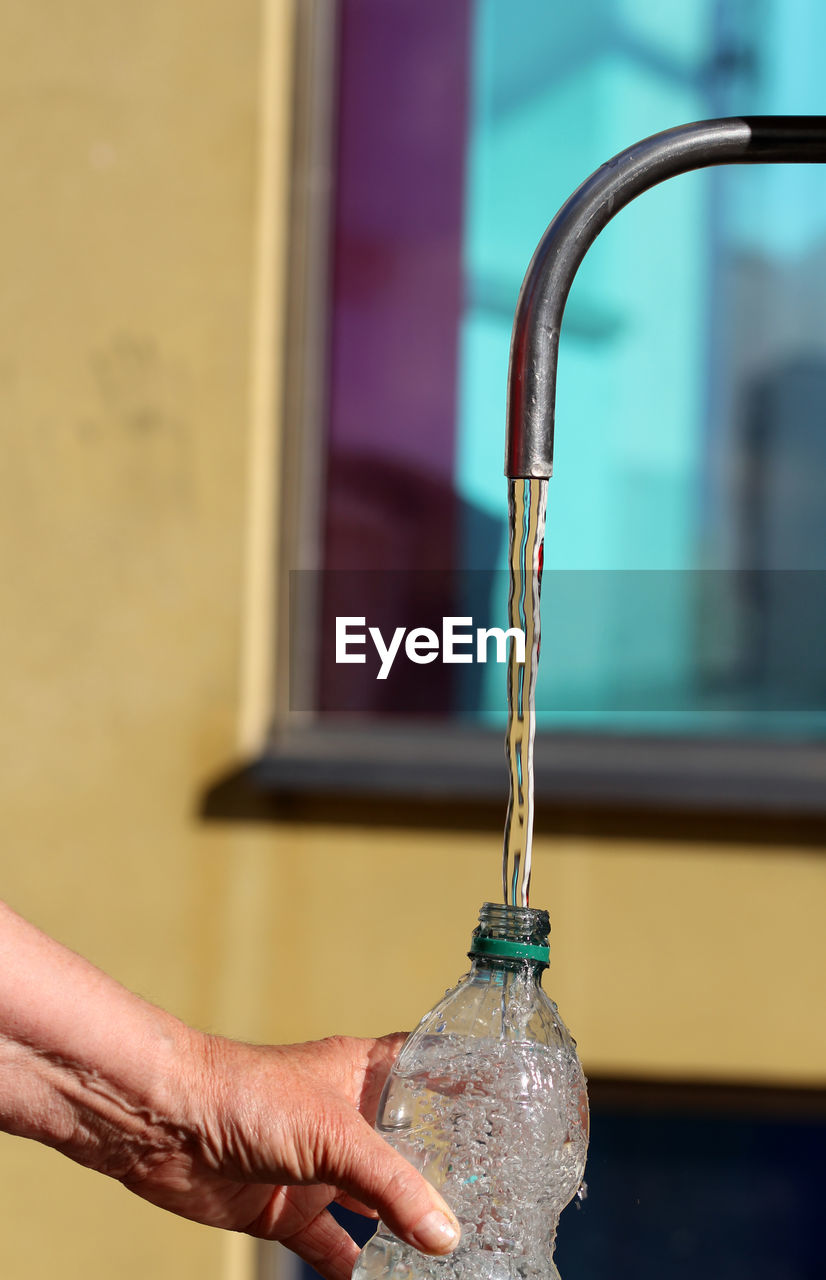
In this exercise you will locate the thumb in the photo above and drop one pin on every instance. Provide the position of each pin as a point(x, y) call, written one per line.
point(368, 1168)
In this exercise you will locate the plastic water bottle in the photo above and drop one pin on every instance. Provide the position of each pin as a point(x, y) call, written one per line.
point(487, 1099)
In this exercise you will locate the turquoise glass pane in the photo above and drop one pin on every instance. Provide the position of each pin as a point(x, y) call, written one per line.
point(691, 296)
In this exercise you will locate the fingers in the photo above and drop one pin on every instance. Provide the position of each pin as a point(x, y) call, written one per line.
point(355, 1206)
point(381, 1055)
point(384, 1051)
point(289, 1210)
point(324, 1245)
point(356, 1068)
point(365, 1166)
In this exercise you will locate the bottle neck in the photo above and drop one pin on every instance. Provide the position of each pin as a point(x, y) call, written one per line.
point(509, 938)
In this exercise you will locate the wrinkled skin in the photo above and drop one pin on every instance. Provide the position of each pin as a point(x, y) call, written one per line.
point(251, 1138)
point(282, 1132)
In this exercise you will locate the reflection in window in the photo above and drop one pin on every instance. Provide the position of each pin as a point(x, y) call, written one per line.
point(692, 384)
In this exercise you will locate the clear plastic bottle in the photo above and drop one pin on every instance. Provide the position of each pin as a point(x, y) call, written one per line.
point(488, 1099)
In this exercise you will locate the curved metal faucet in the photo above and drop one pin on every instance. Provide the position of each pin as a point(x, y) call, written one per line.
point(544, 292)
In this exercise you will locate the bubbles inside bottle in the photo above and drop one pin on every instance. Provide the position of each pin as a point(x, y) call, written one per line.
point(496, 1126)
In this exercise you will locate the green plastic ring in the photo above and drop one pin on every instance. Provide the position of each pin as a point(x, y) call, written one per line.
point(509, 950)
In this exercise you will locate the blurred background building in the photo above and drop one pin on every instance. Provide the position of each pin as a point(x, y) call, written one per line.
point(259, 266)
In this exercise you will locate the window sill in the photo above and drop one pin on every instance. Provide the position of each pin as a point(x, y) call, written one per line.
point(443, 776)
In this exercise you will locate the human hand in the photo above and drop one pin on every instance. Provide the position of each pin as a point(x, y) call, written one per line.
point(250, 1138)
point(273, 1135)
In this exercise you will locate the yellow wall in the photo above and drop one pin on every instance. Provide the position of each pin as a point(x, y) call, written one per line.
point(683, 962)
point(129, 149)
point(143, 153)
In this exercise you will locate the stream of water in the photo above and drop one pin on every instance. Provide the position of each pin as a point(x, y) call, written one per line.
point(527, 500)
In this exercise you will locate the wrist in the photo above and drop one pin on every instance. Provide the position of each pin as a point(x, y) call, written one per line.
point(86, 1066)
point(114, 1115)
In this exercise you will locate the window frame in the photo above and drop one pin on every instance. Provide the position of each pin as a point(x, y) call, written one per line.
point(586, 776)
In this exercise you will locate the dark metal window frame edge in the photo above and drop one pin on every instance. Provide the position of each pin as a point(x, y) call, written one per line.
point(408, 774)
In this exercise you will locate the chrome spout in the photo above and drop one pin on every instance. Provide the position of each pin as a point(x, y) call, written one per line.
point(544, 292)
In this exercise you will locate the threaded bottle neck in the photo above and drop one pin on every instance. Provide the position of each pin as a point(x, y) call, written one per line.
point(508, 935)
